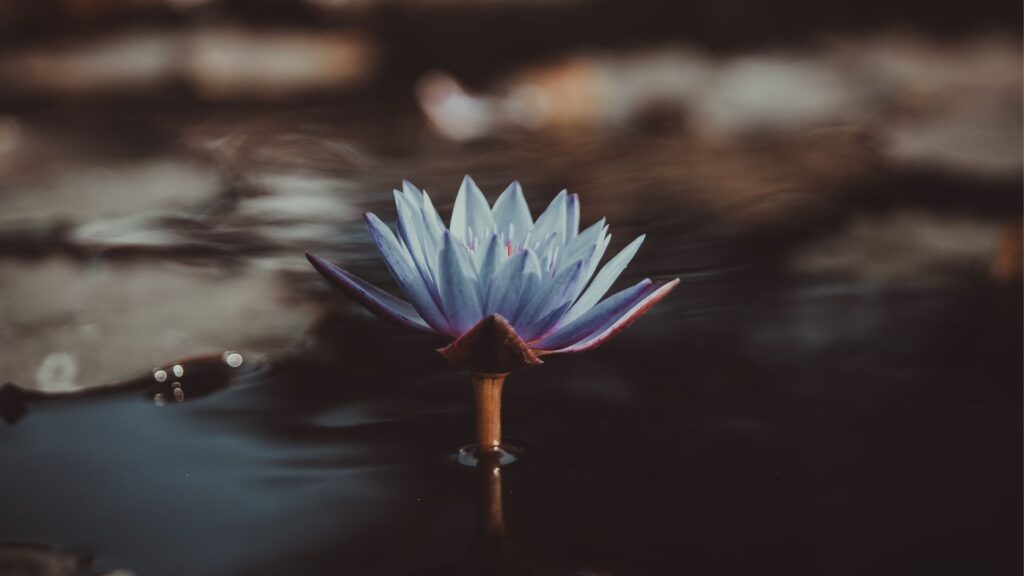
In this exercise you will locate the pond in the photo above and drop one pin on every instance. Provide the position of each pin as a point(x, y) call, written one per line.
point(834, 387)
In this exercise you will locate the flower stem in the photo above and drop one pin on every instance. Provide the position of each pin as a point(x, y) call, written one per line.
point(487, 389)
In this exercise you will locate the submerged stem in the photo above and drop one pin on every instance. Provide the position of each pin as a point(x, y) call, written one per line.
point(487, 389)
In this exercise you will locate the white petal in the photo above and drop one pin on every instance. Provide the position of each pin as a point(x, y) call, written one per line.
point(471, 211)
point(572, 216)
point(551, 220)
point(510, 209)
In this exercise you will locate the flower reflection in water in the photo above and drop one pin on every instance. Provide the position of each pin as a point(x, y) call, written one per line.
point(495, 552)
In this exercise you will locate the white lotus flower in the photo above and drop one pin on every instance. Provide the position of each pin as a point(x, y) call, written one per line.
point(509, 289)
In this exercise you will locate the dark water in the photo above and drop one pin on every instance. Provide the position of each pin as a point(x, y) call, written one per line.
point(834, 388)
point(751, 423)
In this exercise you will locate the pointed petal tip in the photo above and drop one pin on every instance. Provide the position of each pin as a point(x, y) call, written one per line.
point(656, 295)
point(377, 301)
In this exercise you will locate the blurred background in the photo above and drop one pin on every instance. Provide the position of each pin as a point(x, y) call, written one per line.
point(879, 142)
point(838, 184)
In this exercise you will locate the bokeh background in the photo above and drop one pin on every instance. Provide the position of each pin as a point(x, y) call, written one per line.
point(839, 185)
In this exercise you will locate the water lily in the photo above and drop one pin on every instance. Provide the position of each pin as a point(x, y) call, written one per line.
point(507, 289)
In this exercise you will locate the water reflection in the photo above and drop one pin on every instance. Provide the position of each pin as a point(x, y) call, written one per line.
point(494, 551)
point(189, 378)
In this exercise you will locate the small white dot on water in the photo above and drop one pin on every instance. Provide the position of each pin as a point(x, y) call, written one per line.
point(233, 359)
point(158, 399)
point(178, 370)
point(159, 375)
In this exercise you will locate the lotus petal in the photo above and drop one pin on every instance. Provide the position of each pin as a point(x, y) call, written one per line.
point(507, 285)
point(373, 298)
point(572, 216)
point(596, 318)
point(511, 210)
point(553, 219)
point(603, 281)
point(457, 284)
point(471, 211)
point(404, 272)
point(494, 255)
point(608, 331)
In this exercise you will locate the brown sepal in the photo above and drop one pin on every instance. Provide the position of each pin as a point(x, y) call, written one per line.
point(491, 347)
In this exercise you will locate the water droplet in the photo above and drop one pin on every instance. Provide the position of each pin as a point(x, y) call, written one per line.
point(178, 370)
point(159, 375)
point(158, 399)
point(179, 394)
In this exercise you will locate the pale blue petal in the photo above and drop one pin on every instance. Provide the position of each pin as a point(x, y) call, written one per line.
point(592, 259)
point(494, 255)
point(402, 269)
point(511, 209)
point(572, 216)
point(650, 297)
point(410, 230)
point(534, 320)
point(603, 281)
point(597, 318)
point(531, 285)
point(507, 285)
point(372, 298)
point(431, 217)
point(433, 228)
point(591, 236)
point(458, 285)
point(553, 219)
point(471, 211)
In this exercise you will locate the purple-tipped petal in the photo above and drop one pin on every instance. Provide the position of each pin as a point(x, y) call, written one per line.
point(407, 277)
point(603, 281)
point(511, 209)
point(597, 317)
point(458, 286)
point(372, 298)
point(650, 295)
point(471, 211)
